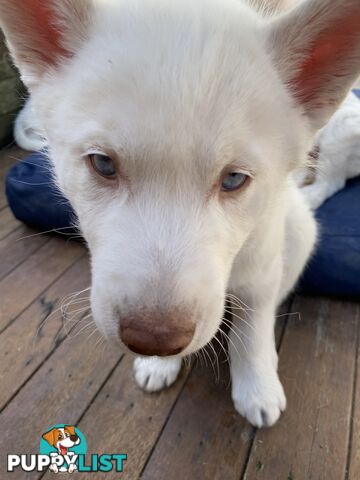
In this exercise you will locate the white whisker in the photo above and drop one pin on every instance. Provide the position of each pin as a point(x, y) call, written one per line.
point(241, 319)
point(233, 344)
point(232, 326)
point(223, 349)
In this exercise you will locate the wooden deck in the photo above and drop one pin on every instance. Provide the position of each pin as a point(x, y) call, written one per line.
point(55, 371)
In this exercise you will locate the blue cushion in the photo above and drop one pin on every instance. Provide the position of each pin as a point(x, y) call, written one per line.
point(33, 197)
point(335, 267)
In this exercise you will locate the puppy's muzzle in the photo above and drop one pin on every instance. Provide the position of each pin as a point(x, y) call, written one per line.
point(157, 335)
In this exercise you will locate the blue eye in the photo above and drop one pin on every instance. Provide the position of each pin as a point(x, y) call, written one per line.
point(103, 165)
point(233, 181)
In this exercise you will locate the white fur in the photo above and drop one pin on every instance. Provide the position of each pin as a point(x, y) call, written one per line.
point(179, 90)
point(27, 131)
point(153, 374)
point(339, 153)
point(338, 143)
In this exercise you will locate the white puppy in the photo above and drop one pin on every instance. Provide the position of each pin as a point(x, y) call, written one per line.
point(174, 129)
point(338, 159)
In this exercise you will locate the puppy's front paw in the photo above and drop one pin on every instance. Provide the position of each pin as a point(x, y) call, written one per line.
point(259, 397)
point(314, 195)
point(154, 373)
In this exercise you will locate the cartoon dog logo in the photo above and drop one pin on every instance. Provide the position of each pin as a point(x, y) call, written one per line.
point(63, 439)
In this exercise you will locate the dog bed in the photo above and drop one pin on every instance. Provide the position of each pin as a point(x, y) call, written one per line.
point(333, 270)
point(33, 197)
point(335, 267)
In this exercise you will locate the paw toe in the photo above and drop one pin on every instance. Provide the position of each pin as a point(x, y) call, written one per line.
point(261, 409)
point(154, 374)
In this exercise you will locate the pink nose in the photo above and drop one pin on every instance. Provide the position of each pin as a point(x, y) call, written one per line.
point(157, 335)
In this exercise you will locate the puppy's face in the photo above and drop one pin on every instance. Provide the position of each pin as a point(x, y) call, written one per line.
point(62, 438)
point(171, 156)
point(173, 135)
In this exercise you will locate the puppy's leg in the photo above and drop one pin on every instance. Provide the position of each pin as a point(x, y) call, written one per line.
point(256, 389)
point(301, 235)
point(155, 373)
point(322, 189)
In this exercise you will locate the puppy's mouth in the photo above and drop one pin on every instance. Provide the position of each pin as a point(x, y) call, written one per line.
point(63, 450)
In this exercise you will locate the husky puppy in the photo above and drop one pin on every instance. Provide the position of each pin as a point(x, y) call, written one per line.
point(174, 129)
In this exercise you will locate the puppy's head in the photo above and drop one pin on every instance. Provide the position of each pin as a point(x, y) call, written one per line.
point(62, 438)
point(173, 129)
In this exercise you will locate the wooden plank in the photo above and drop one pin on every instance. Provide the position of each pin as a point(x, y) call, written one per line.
point(59, 392)
point(8, 223)
point(39, 330)
point(8, 158)
point(25, 283)
point(317, 362)
point(14, 249)
point(354, 447)
point(129, 420)
point(205, 437)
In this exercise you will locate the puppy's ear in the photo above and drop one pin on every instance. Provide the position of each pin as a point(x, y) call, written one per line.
point(316, 47)
point(70, 429)
point(50, 437)
point(43, 33)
